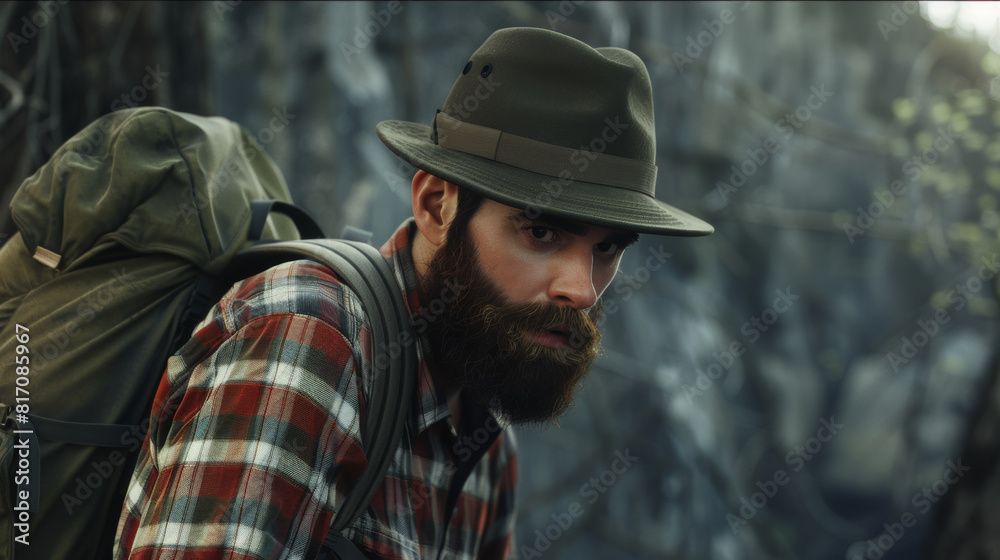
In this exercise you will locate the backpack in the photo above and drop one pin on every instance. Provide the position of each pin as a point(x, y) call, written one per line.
point(127, 237)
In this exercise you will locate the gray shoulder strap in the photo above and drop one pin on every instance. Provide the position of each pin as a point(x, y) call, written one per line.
point(371, 277)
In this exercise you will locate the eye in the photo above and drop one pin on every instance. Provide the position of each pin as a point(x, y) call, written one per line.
point(540, 237)
point(542, 234)
point(607, 248)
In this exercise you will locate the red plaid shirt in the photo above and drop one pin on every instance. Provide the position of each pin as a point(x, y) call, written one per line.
point(255, 437)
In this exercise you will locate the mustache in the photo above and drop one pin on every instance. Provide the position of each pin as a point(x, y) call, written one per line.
point(515, 320)
point(540, 316)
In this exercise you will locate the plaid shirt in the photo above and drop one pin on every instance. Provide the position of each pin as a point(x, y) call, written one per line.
point(255, 437)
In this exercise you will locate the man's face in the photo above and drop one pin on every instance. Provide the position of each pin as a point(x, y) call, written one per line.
point(522, 334)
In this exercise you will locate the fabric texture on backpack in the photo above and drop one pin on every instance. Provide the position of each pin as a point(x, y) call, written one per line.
point(137, 208)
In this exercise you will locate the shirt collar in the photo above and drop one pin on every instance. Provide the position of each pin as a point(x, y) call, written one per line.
point(431, 403)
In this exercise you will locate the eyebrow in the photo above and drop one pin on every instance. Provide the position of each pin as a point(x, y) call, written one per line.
point(624, 238)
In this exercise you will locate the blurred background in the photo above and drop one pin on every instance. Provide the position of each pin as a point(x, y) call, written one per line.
point(817, 380)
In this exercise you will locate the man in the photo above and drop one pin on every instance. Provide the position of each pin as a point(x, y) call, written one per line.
point(533, 179)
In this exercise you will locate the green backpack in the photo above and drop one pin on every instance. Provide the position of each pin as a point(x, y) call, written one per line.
point(126, 238)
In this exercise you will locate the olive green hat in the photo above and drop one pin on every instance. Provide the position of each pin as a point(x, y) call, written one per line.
point(543, 122)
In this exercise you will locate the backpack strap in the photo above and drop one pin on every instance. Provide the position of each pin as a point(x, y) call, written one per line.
point(362, 268)
point(260, 209)
point(81, 433)
point(352, 233)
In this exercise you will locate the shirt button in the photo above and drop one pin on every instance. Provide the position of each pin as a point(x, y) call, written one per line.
point(454, 512)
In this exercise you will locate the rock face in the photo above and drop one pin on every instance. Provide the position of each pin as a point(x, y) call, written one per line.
point(798, 385)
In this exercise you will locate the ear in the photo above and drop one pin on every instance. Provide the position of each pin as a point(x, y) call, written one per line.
point(435, 202)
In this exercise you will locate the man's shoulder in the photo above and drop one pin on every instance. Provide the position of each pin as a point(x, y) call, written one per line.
point(299, 303)
point(302, 288)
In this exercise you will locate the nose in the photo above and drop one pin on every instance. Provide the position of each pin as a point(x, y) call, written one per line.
point(573, 283)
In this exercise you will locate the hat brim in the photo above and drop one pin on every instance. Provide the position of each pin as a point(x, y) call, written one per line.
point(591, 203)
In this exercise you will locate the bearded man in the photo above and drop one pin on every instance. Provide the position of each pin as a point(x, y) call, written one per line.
point(533, 179)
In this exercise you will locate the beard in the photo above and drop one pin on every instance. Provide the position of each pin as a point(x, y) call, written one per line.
point(484, 343)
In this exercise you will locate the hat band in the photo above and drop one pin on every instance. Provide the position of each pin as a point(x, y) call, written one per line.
point(542, 158)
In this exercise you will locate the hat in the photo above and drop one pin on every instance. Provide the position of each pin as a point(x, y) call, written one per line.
point(543, 122)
